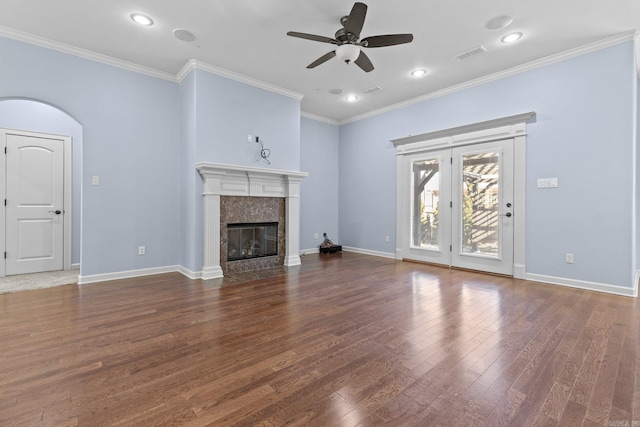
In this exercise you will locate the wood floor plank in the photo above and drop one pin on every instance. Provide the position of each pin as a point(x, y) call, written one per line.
point(341, 340)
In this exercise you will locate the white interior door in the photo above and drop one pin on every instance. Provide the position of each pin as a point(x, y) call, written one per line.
point(460, 207)
point(34, 204)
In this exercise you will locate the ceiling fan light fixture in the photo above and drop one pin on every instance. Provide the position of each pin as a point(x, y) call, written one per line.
point(141, 19)
point(347, 52)
point(510, 38)
point(419, 73)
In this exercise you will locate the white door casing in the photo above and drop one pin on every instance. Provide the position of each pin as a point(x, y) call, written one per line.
point(37, 215)
point(417, 147)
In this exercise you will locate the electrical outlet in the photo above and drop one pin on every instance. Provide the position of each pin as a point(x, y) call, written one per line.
point(250, 138)
point(568, 258)
point(141, 250)
point(386, 239)
point(95, 180)
point(315, 235)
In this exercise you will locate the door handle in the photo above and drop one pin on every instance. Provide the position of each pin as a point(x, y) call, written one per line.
point(508, 214)
point(57, 212)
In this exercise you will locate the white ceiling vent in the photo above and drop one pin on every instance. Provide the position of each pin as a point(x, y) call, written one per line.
point(372, 90)
point(472, 52)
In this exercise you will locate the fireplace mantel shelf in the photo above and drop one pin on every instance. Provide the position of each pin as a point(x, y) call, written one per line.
point(230, 180)
point(217, 168)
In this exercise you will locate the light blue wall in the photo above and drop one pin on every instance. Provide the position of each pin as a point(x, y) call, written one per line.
point(130, 139)
point(584, 135)
point(221, 114)
point(189, 177)
point(143, 137)
point(35, 116)
point(636, 190)
point(319, 203)
point(227, 111)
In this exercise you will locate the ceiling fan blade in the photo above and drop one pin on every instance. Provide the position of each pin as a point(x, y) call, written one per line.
point(388, 40)
point(355, 21)
point(322, 59)
point(364, 62)
point(313, 37)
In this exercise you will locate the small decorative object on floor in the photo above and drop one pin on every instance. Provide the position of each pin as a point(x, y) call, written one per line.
point(327, 246)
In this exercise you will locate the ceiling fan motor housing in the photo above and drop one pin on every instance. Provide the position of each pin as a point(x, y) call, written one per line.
point(342, 36)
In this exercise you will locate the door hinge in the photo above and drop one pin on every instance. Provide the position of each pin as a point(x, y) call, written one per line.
point(451, 158)
point(450, 204)
point(5, 255)
point(450, 248)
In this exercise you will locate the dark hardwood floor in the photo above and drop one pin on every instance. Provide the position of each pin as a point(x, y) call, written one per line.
point(344, 340)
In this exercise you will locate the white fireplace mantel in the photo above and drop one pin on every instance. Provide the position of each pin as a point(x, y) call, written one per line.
point(228, 180)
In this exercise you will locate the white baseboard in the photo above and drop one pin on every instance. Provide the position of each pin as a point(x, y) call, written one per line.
point(304, 252)
point(193, 275)
point(127, 274)
point(351, 249)
point(589, 286)
point(369, 252)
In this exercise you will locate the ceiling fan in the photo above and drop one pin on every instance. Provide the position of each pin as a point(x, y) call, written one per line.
point(346, 39)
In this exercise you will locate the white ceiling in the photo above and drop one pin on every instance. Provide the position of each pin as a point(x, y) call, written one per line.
point(248, 37)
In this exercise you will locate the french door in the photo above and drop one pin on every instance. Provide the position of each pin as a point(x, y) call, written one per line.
point(460, 207)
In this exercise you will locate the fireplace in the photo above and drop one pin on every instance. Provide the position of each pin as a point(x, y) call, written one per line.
point(242, 195)
point(246, 241)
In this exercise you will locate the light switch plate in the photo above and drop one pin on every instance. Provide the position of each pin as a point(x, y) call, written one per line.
point(547, 182)
point(95, 180)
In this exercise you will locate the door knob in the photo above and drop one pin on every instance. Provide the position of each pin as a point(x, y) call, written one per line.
point(57, 212)
point(508, 214)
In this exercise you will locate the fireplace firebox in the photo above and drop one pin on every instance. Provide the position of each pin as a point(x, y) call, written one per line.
point(251, 240)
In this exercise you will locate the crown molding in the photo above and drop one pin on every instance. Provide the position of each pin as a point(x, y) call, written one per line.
point(572, 53)
point(83, 53)
point(108, 60)
point(194, 64)
point(320, 118)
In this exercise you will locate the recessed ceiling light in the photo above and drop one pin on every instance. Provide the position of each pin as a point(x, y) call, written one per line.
point(141, 19)
point(419, 73)
point(510, 38)
point(351, 98)
point(498, 22)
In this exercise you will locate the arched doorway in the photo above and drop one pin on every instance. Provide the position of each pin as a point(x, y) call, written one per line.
point(31, 115)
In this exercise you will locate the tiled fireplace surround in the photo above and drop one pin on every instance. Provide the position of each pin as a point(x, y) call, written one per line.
point(244, 184)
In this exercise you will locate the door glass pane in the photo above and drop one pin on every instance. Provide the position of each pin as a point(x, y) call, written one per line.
point(480, 204)
point(426, 197)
